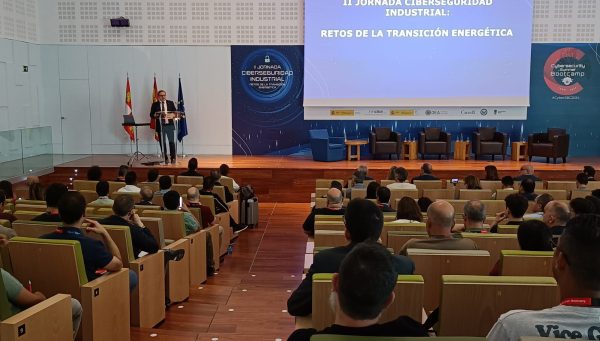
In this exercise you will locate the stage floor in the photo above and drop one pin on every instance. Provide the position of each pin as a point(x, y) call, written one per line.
point(292, 178)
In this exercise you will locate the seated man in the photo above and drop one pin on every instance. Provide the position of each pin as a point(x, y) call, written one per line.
point(516, 206)
point(224, 170)
point(164, 185)
point(527, 189)
point(507, 182)
point(152, 175)
point(193, 197)
point(426, 173)
point(364, 222)
point(440, 220)
point(474, 217)
point(582, 181)
point(358, 182)
point(171, 200)
point(335, 202)
point(102, 188)
point(575, 267)
point(538, 209)
point(590, 172)
point(124, 215)
point(130, 183)
point(52, 195)
point(208, 184)
point(400, 176)
point(98, 257)
point(556, 215)
point(147, 194)
point(362, 290)
point(383, 199)
point(527, 173)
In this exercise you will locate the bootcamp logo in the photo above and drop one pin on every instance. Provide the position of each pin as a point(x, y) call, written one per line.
point(563, 69)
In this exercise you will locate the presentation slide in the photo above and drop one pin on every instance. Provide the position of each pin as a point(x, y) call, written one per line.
point(417, 53)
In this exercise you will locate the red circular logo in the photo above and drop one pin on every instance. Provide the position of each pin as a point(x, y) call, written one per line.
point(561, 70)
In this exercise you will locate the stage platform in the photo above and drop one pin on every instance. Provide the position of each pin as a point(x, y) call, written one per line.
point(292, 179)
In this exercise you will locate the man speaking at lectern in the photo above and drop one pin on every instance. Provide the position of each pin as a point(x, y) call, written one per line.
point(168, 127)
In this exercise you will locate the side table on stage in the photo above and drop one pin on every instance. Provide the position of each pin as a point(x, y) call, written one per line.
point(136, 155)
point(461, 150)
point(409, 150)
point(519, 151)
point(357, 144)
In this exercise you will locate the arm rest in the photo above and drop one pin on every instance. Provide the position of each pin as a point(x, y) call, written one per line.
point(444, 136)
point(372, 140)
point(422, 142)
point(561, 145)
point(198, 254)
point(48, 320)
point(217, 240)
point(476, 142)
point(105, 303)
point(148, 298)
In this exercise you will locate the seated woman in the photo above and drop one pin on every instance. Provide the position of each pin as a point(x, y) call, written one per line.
point(472, 182)
point(491, 173)
point(408, 211)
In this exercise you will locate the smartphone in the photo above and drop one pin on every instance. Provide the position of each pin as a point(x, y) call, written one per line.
point(180, 202)
point(454, 181)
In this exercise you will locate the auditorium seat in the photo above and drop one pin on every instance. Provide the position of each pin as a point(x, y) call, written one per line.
point(564, 185)
point(397, 239)
point(383, 140)
point(557, 194)
point(552, 144)
point(508, 229)
point(329, 238)
point(386, 182)
point(493, 185)
point(29, 202)
point(432, 264)
point(88, 195)
point(493, 206)
point(89, 185)
point(406, 227)
point(439, 194)
point(114, 186)
point(136, 196)
point(494, 243)
point(49, 320)
point(153, 185)
point(488, 141)
point(470, 305)
point(434, 141)
point(156, 228)
point(333, 225)
point(192, 180)
point(26, 215)
point(326, 183)
point(397, 194)
point(33, 229)
point(105, 300)
point(408, 301)
point(514, 262)
point(475, 194)
point(580, 193)
point(31, 208)
point(501, 194)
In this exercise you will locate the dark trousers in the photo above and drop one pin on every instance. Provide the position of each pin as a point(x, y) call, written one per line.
point(167, 133)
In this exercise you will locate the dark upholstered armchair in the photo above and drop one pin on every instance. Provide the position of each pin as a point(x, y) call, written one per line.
point(324, 147)
point(385, 141)
point(434, 141)
point(487, 141)
point(552, 144)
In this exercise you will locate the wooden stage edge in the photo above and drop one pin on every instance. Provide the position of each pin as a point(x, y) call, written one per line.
point(292, 178)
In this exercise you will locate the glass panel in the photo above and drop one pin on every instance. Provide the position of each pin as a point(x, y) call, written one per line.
point(25, 151)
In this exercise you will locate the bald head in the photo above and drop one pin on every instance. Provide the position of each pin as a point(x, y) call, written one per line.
point(193, 194)
point(556, 213)
point(147, 193)
point(440, 218)
point(527, 170)
point(334, 197)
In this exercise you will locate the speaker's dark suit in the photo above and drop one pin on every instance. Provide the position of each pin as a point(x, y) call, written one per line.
point(169, 128)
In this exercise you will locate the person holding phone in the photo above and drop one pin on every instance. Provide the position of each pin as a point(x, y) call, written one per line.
point(172, 201)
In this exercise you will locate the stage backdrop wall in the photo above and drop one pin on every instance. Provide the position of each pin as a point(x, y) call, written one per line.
point(272, 125)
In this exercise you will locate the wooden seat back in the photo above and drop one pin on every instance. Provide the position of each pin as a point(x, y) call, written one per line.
point(136, 196)
point(580, 193)
point(438, 194)
point(475, 194)
point(88, 195)
point(491, 184)
point(557, 194)
point(493, 206)
point(329, 238)
point(485, 298)
point(406, 227)
point(330, 225)
point(514, 262)
point(181, 188)
point(561, 185)
point(26, 215)
point(31, 208)
point(326, 183)
point(503, 193)
point(208, 200)
point(173, 223)
point(397, 194)
point(397, 239)
point(154, 185)
point(494, 243)
point(508, 229)
point(156, 228)
point(191, 180)
point(89, 185)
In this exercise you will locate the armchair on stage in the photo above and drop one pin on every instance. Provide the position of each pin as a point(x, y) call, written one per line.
point(325, 148)
point(434, 141)
point(488, 141)
point(552, 144)
point(385, 141)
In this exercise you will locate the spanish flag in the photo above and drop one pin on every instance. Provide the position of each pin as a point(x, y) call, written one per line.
point(154, 99)
point(129, 129)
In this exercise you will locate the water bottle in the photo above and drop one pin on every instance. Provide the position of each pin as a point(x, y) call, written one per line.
point(230, 249)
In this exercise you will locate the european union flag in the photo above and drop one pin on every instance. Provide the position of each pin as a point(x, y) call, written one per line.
point(181, 108)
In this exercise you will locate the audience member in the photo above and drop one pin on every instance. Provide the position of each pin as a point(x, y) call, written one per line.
point(34, 187)
point(575, 267)
point(556, 215)
point(123, 169)
point(383, 199)
point(363, 222)
point(338, 185)
point(538, 208)
point(334, 207)
point(224, 170)
point(193, 197)
point(102, 188)
point(474, 217)
point(362, 290)
point(491, 173)
point(472, 182)
point(5, 215)
point(581, 206)
point(392, 173)
point(507, 182)
point(527, 189)
point(516, 206)
point(400, 176)
point(94, 173)
point(365, 170)
point(124, 215)
point(440, 220)
point(192, 168)
point(372, 189)
point(7, 188)
point(596, 193)
point(527, 173)
point(357, 182)
point(426, 173)
point(595, 201)
point(164, 185)
point(590, 172)
point(130, 183)
point(217, 177)
point(98, 256)
point(172, 201)
point(581, 181)
point(424, 203)
point(152, 175)
point(146, 194)
point(52, 195)
point(408, 211)
point(220, 206)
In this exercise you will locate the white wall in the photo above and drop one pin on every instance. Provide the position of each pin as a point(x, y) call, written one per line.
point(71, 72)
